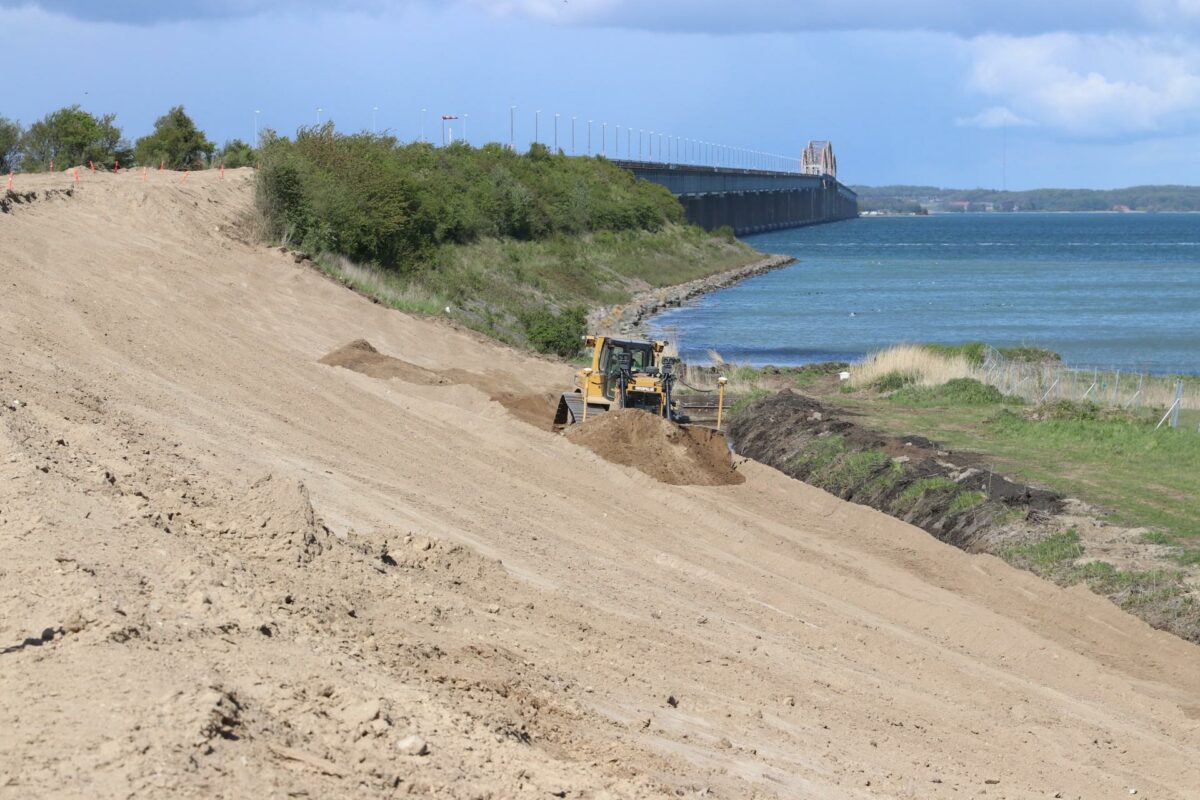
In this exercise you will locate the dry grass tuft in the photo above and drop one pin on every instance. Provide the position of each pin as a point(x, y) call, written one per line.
point(916, 364)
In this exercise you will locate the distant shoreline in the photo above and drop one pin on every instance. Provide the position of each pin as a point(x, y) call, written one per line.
point(631, 318)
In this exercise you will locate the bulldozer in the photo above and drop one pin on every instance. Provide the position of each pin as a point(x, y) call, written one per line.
point(622, 374)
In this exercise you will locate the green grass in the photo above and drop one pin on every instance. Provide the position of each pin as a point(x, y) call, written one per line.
point(500, 287)
point(965, 501)
point(742, 403)
point(1158, 596)
point(918, 488)
point(1145, 477)
point(894, 381)
point(820, 453)
point(957, 392)
point(976, 352)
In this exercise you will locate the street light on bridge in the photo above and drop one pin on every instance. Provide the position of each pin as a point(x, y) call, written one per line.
point(512, 128)
point(537, 115)
point(556, 132)
point(589, 137)
point(573, 135)
point(603, 138)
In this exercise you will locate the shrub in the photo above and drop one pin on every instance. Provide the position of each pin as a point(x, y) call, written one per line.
point(176, 142)
point(237, 153)
point(558, 333)
point(10, 143)
point(72, 136)
point(378, 201)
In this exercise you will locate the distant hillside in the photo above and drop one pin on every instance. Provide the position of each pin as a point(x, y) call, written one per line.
point(1133, 198)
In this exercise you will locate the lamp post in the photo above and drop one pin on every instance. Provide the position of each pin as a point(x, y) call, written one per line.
point(374, 111)
point(537, 116)
point(256, 113)
point(617, 143)
point(573, 118)
point(640, 132)
point(650, 147)
point(422, 126)
point(319, 110)
point(589, 137)
point(556, 132)
point(628, 142)
point(512, 128)
point(465, 140)
point(603, 138)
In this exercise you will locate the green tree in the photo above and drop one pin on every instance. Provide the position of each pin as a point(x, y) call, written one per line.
point(73, 137)
point(237, 153)
point(176, 141)
point(10, 144)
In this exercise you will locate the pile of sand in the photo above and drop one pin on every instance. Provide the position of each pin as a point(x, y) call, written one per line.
point(663, 450)
point(361, 356)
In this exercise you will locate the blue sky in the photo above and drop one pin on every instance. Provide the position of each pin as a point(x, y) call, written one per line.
point(1046, 93)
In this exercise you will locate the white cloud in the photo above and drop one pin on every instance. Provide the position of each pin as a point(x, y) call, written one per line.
point(1091, 85)
point(994, 117)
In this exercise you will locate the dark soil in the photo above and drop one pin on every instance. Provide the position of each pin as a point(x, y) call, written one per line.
point(950, 495)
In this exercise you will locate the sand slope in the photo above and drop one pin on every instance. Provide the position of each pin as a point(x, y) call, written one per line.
point(230, 570)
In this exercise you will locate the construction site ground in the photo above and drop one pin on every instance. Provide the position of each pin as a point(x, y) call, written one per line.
point(264, 538)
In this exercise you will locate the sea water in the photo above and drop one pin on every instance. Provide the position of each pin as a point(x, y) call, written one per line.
point(1103, 290)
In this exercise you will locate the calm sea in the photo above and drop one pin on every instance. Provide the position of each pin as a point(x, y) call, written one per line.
point(1105, 290)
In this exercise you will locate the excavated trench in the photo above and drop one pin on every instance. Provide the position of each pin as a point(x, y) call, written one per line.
point(950, 495)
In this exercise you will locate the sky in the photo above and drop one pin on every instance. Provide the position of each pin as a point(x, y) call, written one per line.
point(963, 93)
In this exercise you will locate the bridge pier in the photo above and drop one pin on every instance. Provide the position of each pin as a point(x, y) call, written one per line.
point(750, 201)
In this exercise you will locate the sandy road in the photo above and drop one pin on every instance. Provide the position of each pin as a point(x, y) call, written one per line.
point(266, 576)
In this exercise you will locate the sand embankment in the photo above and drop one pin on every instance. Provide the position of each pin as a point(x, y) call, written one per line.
point(233, 570)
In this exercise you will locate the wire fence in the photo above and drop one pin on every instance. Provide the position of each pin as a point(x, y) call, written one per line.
point(1175, 399)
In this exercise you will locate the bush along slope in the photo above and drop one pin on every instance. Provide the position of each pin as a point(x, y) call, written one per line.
point(514, 244)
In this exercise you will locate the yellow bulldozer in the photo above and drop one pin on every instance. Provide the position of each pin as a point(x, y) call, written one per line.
point(622, 374)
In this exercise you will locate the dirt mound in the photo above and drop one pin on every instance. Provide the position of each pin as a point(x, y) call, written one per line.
point(277, 522)
point(361, 356)
point(663, 450)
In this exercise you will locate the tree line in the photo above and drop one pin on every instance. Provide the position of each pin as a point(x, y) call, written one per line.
point(72, 136)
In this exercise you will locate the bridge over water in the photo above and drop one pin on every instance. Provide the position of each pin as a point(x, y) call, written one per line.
point(750, 200)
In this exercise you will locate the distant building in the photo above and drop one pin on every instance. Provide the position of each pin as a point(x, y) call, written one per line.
point(818, 159)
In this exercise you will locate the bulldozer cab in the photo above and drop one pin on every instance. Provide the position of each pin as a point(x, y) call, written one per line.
point(612, 359)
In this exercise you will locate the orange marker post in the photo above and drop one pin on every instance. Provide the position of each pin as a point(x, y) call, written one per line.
point(52, 165)
point(185, 174)
point(160, 165)
point(76, 176)
point(222, 170)
point(10, 179)
point(116, 166)
point(92, 166)
point(145, 171)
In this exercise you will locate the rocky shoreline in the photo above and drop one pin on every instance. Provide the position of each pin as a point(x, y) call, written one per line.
point(630, 318)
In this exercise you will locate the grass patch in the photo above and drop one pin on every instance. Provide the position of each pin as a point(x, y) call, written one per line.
point(918, 488)
point(965, 501)
point(956, 392)
point(819, 454)
point(742, 403)
point(894, 381)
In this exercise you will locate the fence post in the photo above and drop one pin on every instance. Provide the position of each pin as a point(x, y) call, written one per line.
point(1178, 403)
